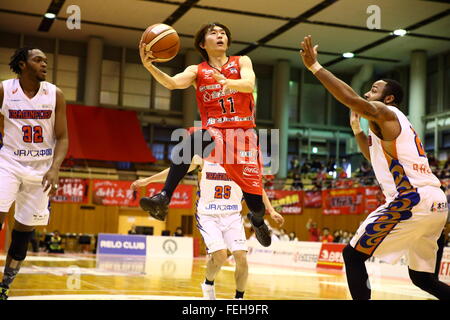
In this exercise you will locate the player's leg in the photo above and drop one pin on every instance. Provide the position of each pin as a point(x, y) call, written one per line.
point(428, 282)
point(439, 254)
point(20, 237)
point(357, 276)
point(32, 209)
point(157, 205)
point(241, 272)
point(209, 227)
point(234, 237)
point(9, 187)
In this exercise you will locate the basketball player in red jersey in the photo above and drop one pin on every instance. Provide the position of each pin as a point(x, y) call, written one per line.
point(224, 88)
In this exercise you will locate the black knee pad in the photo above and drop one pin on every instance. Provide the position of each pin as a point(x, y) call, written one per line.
point(255, 204)
point(351, 254)
point(19, 244)
point(421, 279)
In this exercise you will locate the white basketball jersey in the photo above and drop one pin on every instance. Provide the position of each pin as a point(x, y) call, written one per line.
point(218, 194)
point(406, 169)
point(29, 123)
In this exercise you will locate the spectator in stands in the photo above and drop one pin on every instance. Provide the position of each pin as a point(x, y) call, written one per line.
point(326, 237)
point(337, 235)
point(297, 184)
point(313, 232)
point(132, 230)
point(345, 237)
point(295, 164)
point(331, 165)
point(283, 236)
point(316, 165)
point(432, 161)
point(56, 243)
point(306, 167)
point(293, 236)
point(178, 232)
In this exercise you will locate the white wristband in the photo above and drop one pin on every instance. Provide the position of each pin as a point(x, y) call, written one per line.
point(315, 67)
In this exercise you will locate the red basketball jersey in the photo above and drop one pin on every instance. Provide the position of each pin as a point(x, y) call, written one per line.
point(231, 109)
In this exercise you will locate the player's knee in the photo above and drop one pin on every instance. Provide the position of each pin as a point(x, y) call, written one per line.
point(350, 254)
point(421, 279)
point(219, 257)
point(241, 259)
point(19, 245)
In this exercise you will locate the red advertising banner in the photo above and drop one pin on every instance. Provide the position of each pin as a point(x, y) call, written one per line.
point(373, 198)
point(343, 201)
point(182, 196)
point(313, 199)
point(114, 193)
point(71, 190)
point(290, 202)
point(330, 256)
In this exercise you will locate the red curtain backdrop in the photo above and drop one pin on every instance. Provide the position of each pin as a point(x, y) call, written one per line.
point(97, 133)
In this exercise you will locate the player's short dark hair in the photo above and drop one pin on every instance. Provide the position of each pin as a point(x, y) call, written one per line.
point(393, 88)
point(200, 37)
point(20, 54)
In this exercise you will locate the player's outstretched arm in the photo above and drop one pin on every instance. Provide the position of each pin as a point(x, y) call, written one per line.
point(180, 81)
point(360, 136)
point(273, 214)
point(373, 111)
point(50, 179)
point(247, 81)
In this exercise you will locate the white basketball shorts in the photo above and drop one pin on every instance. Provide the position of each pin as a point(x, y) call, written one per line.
point(22, 182)
point(408, 225)
point(222, 231)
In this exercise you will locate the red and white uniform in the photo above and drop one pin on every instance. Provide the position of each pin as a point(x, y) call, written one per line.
point(27, 152)
point(230, 119)
point(415, 212)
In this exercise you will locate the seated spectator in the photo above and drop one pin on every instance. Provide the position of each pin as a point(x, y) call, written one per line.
point(295, 164)
point(366, 169)
point(432, 161)
point(297, 184)
point(316, 166)
point(331, 165)
point(55, 245)
point(132, 230)
point(283, 236)
point(293, 236)
point(306, 168)
point(326, 237)
point(178, 232)
point(313, 232)
point(337, 236)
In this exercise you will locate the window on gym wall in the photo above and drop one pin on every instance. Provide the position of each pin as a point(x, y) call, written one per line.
point(162, 95)
point(313, 101)
point(432, 86)
point(137, 86)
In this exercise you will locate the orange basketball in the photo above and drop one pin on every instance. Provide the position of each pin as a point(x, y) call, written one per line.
point(162, 40)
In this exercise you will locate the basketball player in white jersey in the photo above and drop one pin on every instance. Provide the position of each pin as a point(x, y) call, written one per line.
point(35, 141)
point(219, 221)
point(415, 212)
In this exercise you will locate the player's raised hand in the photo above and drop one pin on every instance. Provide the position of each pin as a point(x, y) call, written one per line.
point(50, 182)
point(278, 218)
point(308, 52)
point(146, 56)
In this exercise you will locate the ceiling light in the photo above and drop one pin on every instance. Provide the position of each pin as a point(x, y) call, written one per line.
point(400, 32)
point(348, 55)
point(50, 15)
point(315, 149)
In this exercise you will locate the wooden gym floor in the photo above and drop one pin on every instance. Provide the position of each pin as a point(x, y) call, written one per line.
point(77, 276)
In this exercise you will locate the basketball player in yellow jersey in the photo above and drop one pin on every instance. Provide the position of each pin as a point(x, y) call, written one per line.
point(35, 141)
point(219, 221)
point(415, 212)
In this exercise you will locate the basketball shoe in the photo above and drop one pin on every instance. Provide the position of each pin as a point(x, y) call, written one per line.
point(209, 292)
point(262, 232)
point(157, 206)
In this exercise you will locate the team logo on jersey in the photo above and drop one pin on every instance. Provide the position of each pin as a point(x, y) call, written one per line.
point(439, 207)
point(231, 64)
point(233, 70)
point(15, 90)
point(206, 97)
